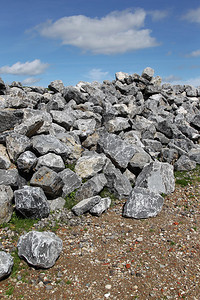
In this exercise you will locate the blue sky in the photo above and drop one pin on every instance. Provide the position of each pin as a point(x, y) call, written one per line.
point(45, 40)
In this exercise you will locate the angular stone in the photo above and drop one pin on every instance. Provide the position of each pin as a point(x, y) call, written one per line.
point(118, 183)
point(196, 121)
point(184, 163)
point(29, 127)
point(6, 208)
point(101, 207)
point(9, 118)
point(118, 124)
point(48, 180)
point(71, 181)
point(45, 116)
point(4, 158)
point(10, 177)
point(31, 202)
point(169, 155)
point(157, 177)
point(56, 204)
point(91, 187)
point(16, 144)
point(64, 118)
point(44, 144)
point(86, 126)
point(139, 160)
point(85, 205)
point(116, 149)
point(26, 161)
point(52, 161)
point(131, 177)
point(194, 155)
point(142, 204)
point(72, 142)
point(152, 145)
point(6, 264)
point(148, 73)
point(40, 249)
point(71, 92)
point(56, 86)
point(89, 165)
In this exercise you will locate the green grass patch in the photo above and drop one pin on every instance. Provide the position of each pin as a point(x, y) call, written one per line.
point(106, 193)
point(185, 178)
point(70, 200)
point(70, 166)
point(10, 290)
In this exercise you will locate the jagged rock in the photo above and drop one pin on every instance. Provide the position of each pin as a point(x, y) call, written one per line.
point(44, 144)
point(86, 126)
point(116, 149)
point(26, 161)
point(89, 165)
point(169, 155)
point(101, 207)
point(56, 86)
point(157, 177)
point(30, 126)
point(184, 163)
point(52, 161)
point(117, 124)
point(117, 182)
point(72, 141)
point(194, 155)
point(40, 249)
point(64, 118)
point(91, 187)
point(16, 144)
point(10, 177)
point(9, 118)
point(71, 92)
point(46, 117)
point(71, 181)
point(4, 158)
point(142, 204)
point(152, 145)
point(196, 121)
point(56, 204)
point(139, 160)
point(6, 264)
point(148, 73)
point(85, 205)
point(6, 208)
point(31, 202)
point(131, 177)
point(48, 180)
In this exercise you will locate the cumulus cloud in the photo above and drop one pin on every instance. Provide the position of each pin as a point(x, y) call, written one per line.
point(171, 78)
point(117, 32)
point(191, 81)
point(158, 15)
point(32, 68)
point(30, 81)
point(97, 75)
point(193, 15)
point(195, 53)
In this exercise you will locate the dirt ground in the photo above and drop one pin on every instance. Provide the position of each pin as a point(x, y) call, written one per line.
point(111, 257)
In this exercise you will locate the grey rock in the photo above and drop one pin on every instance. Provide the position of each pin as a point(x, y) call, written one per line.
point(36, 113)
point(89, 165)
point(72, 142)
point(194, 155)
point(64, 118)
point(71, 92)
point(191, 91)
point(31, 202)
point(117, 182)
point(118, 124)
point(52, 161)
point(40, 249)
point(152, 145)
point(184, 163)
point(6, 264)
point(48, 180)
point(139, 160)
point(142, 204)
point(91, 187)
point(30, 126)
point(6, 208)
point(4, 158)
point(71, 181)
point(101, 207)
point(85, 205)
point(196, 121)
point(10, 177)
point(118, 150)
point(157, 177)
point(169, 155)
point(131, 177)
point(56, 204)
point(16, 144)
point(148, 73)
point(2, 84)
point(56, 86)
point(9, 118)
point(44, 144)
point(26, 161)
point(86, 126)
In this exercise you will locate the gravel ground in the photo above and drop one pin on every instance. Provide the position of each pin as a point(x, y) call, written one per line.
point(112, 257)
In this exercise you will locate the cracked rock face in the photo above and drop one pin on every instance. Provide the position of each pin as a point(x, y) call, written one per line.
point(6, 264)
point(40, 249)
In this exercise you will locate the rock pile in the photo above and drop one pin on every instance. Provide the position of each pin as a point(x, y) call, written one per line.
point(126, 136)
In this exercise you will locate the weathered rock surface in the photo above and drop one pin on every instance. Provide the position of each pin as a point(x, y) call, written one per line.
point(26, 161)
point(6, 207)
point(142, 203)
point(40, 249)
point(71, 181)
point(85, 205)
point(31, 202)
point(52, 161)
point(6, 264)
point(101, 207)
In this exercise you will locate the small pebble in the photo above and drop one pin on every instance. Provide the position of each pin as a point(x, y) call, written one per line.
point(107, 295)
point(139, 239)
point(108, 286)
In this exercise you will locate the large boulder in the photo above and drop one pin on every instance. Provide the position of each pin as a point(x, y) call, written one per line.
point(4, 158)
point(11, 177)
point(40, 249)
point(26, 161)
point(6, 207)
point(31, 202)
point(52, 161)
point(142, 203)
point(9, 118)
point(30, 126)
point(157, 177)
point(16, 144)
point(71, 181)
point(6, 264)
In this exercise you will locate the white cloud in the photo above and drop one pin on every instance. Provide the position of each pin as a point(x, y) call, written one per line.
point(191, 81)
point(158, 15)
point(117, 32)
point(193, 15)
point(97, 75)
point(32, 68)
point(195, 53)
point(30, 81)
point(171, 78)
